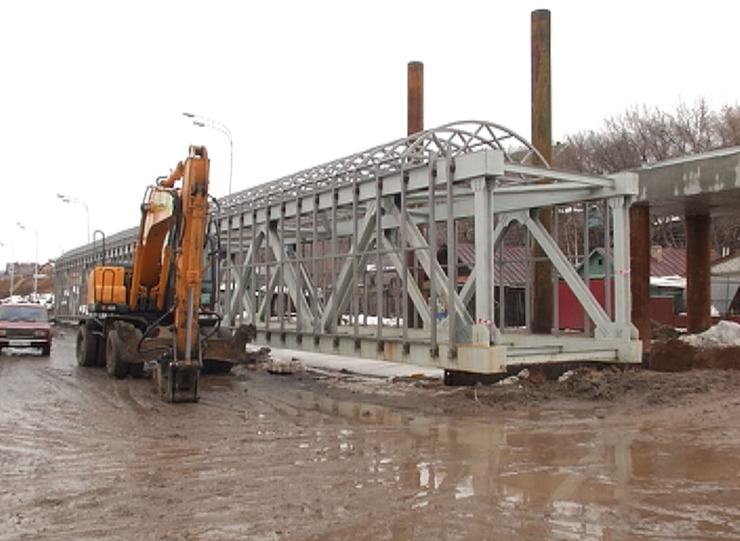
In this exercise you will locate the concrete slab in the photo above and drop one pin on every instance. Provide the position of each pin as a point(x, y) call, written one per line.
point(356, 365)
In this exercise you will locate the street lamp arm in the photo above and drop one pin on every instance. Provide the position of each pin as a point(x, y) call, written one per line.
point(223, 127)
point(204, 122)
point(71, 199)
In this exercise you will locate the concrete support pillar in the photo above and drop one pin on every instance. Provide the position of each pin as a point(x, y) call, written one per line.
point(640, 271)
point(482, 191)
point(698, 268)
point(543, 290)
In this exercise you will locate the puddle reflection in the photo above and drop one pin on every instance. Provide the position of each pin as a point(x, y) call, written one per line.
point(573, 480)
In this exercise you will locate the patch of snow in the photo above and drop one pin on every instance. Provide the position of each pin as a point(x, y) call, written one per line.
point(565, 376)
point(723, 334)
point(668, 281)
point(522, 375)
point(363, 319)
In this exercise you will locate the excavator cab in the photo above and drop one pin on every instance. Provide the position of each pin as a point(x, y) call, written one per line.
point(209, 288)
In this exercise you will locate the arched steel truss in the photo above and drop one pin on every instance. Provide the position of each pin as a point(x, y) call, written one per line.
point(446, 141)
point(362, 255)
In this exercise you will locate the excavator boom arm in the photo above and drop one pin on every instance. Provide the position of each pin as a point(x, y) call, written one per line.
point(189, 255)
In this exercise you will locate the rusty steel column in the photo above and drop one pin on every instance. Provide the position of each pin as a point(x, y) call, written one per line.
point(640, 272)
point(415, 110)
point(542, 292)
point(698, 269)
point(415, 124)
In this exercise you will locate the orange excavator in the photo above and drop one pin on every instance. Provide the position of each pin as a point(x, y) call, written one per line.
point(159, 311)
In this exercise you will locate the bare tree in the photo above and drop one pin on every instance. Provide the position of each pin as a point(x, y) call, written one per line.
point(645, 135)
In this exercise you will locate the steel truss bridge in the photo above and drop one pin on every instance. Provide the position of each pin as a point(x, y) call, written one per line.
point(362, 256)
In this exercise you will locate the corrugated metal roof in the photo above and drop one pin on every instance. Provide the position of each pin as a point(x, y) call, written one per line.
point(726, 266)
point(671, 261)
point(667, 261)
point(514, 261)
point(509, 261)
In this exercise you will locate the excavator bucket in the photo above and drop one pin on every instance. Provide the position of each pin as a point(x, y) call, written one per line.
point(177, 380)
point(223, 350)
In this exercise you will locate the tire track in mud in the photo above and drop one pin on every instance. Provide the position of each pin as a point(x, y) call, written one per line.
point(86, 388)
point(68, 441)
point(236, 465)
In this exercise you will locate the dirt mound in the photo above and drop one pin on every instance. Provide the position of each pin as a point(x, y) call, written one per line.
point(629, 387)
point(660, 331)
point(675, 355)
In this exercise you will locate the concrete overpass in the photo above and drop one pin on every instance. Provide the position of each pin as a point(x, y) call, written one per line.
point(696, 188)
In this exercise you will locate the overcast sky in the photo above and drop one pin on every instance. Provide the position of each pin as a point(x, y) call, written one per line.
point(93, 92)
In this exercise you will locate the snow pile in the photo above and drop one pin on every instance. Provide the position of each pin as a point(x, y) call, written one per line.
point(565, 376)
point(521, 376)
point(47, 299)
point(723, 334)
point(668, 281)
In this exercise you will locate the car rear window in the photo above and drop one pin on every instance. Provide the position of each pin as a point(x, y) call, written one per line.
point(23, 313)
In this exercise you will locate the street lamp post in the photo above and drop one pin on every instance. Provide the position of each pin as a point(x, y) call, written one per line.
point(203, 122)
point(70, 199)
point(36, 264)
point(12, 267)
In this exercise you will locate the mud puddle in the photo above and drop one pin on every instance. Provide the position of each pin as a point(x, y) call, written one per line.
point(542, 474)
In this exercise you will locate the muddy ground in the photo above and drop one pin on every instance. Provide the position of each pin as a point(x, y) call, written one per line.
point(675, 373)
point(581, 388)
point(601, 454)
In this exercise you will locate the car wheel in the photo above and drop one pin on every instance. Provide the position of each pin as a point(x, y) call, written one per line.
point(115, 366)
point(46, 350)
point(87, 347)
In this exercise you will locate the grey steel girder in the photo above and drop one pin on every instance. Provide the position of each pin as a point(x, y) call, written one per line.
point(290, 276)
point(415, 293)
point(468, 290)
point(244, 278)
point(340, 295)
point(416, 240)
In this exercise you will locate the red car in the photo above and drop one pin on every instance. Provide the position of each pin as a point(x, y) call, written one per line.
point(25, 326)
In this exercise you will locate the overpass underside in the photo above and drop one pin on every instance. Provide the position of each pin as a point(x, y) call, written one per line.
point(420, 251)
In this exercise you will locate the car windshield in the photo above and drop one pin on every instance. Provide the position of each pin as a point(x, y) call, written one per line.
point(23, 313)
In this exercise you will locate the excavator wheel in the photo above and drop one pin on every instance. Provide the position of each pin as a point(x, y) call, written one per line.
point(115, 366)
point(100, 346)
point(87, 347)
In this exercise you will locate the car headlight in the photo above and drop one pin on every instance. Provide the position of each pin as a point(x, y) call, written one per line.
point(2, 332)
point(40, 334)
